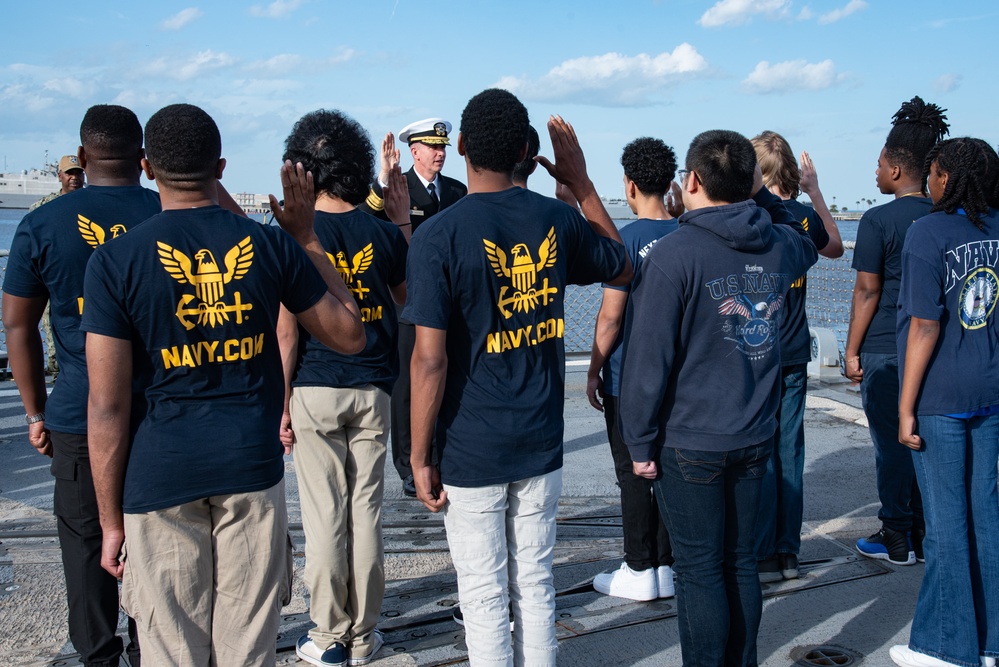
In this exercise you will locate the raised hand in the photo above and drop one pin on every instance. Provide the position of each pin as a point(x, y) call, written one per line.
point(390, 158)
point(809, 183)
point(299, 211)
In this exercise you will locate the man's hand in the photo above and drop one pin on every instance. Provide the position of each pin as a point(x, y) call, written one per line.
point(907, 431)
point(564, 194)
point(429, 489)
point(757, 179)
point(111, 551)
point(286, 434)
point(809, 183)
point(396, 195)
point(674, 200)
point(853, 371)
point(38, 436)
point(570, 165)
point(389, 158)
point(299, 211)
point(646, 469)
point(595, 391)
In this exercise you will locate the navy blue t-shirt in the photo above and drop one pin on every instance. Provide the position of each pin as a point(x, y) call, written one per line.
point(370, 255)
point(197, 292)
point(950, 274)
point(491, 270)
point(48, 258)
point(880, 236)
point(638, 237)
point(795, 343)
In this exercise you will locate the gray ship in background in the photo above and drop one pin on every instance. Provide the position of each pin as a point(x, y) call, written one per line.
point(21, 189)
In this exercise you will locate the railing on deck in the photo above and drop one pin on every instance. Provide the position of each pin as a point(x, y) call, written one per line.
point(830, 289)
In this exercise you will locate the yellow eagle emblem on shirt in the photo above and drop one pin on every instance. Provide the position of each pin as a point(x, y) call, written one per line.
point(523, 273)
point(93, 233)
point(349, 273)
point(208, 279)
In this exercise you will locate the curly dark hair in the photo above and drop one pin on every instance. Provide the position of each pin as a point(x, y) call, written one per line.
point(183, 145)
point(110, 132)
point(650, 164)
point(526, 167)
point(338, 152)
point(972, 169)
point(494, 130)
point(725, 163)
point(916, 127)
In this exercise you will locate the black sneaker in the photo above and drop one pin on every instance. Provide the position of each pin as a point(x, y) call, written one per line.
point(887, 544)
point(769, 570)
point(916, 537)
point(788, 565)
point(459, 618)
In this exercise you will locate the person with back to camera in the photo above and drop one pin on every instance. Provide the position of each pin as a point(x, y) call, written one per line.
point(338, 405)
point(700, 386)
point(486, 281)
point(871, 351)
point(949, 407)
point(782, 499)
point(646, 573)
point(187, 394)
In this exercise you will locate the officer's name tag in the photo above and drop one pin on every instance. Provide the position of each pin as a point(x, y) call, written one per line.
point(416, 211)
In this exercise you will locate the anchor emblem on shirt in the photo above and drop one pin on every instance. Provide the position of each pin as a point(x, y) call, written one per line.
point(523, 273)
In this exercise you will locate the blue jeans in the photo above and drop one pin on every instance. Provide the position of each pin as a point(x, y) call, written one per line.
point(781, 499)
point(957, 615)
point(502, 539)
point(709, 501)
point(901, 504)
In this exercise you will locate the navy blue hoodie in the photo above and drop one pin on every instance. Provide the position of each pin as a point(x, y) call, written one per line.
point(702, 363)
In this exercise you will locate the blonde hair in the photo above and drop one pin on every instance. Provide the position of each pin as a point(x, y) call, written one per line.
point(777, 163)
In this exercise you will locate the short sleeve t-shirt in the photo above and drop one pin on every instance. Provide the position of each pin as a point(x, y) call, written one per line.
point(880, 236)
point(491, 270)
point(370, 255)
point(48, 258)
point(638, 237)
point(950, 274)
point(197, 292)
point(795, 343)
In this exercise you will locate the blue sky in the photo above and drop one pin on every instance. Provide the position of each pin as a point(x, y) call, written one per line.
point(828, 74)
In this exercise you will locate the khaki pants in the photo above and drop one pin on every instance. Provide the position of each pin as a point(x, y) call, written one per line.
point(340, 459)
point(205, 581)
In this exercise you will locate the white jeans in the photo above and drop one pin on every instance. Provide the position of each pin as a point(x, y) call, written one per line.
point(502, 539)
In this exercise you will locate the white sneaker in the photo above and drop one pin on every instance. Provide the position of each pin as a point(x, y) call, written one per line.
point(627, 583)
point(988, 661)
point(906, 657)
point(664, 581)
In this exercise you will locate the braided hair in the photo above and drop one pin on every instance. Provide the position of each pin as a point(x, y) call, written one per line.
point(972, 169)
point(916, 127)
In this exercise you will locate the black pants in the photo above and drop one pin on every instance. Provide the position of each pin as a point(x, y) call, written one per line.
point(646, 541)
point(402, 434)
point(92, 593)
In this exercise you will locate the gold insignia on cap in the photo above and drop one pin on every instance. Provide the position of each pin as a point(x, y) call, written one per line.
point(440, 129)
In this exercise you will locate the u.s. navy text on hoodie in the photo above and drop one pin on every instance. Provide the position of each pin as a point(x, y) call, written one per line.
point(702, 359)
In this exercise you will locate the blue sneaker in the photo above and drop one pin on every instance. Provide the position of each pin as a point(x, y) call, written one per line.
point(334, 656)
point(887, 544)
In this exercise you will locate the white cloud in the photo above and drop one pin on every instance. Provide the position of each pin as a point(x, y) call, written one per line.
point(138, 99)
point(181, 18)
point(276, 10)
point(611, 79)
point(740, 11)
point(791, 76)
point(66, 85)
point(805, 13)
point(947, 83)
point(22, 98)
point(837, 14)
point(184, 70)
point(280, 64)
